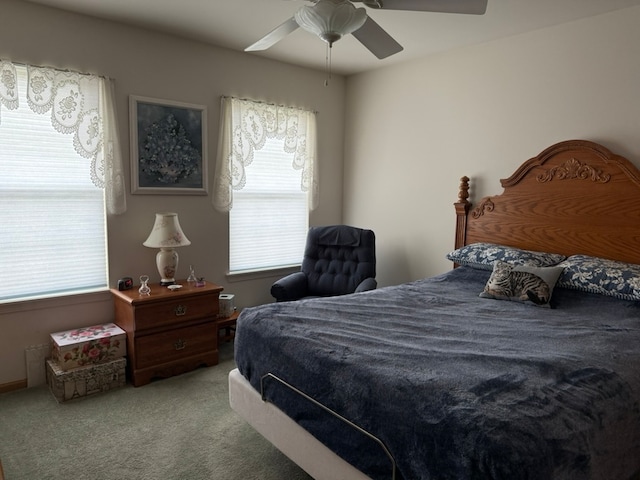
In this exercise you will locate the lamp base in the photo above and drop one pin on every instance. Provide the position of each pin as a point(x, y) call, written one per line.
point(167, 263)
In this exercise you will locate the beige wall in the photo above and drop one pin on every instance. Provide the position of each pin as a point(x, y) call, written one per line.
point(414, 130)
point(411, 132)
point(153, 65)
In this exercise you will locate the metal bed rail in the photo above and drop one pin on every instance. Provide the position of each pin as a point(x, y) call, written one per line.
point(331, 412)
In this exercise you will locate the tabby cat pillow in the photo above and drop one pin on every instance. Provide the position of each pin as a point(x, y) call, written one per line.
point(483, 255)
point(522, 283)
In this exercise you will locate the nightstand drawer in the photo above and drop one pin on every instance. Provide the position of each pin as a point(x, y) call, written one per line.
point(168, 332)
point(174, 312)
point(175, 344)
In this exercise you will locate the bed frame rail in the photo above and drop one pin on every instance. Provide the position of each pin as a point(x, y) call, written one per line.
point(331, 412)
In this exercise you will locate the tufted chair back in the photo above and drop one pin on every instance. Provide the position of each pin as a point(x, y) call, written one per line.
point(338, 259)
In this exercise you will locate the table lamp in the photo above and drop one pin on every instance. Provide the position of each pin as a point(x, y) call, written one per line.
point(166, 235)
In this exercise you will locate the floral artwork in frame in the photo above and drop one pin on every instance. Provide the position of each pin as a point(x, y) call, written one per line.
point(168, 147)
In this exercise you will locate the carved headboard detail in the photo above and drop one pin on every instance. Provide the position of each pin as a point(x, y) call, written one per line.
point(574, 197)
point(574, 169)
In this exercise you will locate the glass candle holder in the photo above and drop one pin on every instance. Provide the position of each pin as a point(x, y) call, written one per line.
point(144, 285)
point(192, 279)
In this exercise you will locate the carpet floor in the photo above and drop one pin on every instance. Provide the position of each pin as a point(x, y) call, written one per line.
point(179, 428)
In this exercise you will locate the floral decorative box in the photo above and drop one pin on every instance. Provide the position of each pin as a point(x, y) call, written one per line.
point(84, 381)
point(88, 346)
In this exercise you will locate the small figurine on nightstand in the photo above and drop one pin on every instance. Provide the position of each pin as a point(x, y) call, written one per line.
point(192, 279)
point(201, 282)
point(144, 285)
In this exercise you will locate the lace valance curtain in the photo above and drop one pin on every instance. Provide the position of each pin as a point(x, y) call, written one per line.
point(70, 99)
point(245, 126)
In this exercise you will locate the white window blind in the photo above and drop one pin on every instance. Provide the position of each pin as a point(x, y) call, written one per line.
point(269, 220)
point(52, 215)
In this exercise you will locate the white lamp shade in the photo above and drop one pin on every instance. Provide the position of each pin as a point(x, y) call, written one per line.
point(330, 20)
point(165, 235)
point(166, 232)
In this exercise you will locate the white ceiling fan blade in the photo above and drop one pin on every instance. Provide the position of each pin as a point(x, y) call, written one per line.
point(274, 36)
point(473, 7)
point(379, 42)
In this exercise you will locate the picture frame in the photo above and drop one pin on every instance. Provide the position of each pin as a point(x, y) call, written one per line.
point(168, 147)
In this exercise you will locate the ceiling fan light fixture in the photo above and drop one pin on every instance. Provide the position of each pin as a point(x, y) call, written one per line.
point(373, 3)
point(331, 20)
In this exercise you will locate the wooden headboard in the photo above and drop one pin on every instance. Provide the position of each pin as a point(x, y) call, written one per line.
point(576, 197)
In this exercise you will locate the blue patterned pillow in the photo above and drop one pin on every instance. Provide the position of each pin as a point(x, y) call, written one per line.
point(598, 275)
point(484, 255)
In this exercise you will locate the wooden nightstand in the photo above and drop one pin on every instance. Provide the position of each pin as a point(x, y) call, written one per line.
point(168, 332)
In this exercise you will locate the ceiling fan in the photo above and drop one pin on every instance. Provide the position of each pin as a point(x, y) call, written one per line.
point(332, 19)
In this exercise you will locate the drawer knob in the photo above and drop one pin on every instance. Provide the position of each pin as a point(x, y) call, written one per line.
point(179, 344)
point(180, 310)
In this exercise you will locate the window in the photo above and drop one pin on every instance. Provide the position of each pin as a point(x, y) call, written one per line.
point(53, 216)
point(266, 180)
point(269, 220)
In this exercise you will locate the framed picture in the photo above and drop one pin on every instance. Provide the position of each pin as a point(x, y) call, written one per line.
point(168, 147)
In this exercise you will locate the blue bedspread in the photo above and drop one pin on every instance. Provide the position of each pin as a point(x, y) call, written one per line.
point(456, 386)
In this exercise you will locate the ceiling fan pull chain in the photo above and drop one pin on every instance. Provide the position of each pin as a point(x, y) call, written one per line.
point(328, 64)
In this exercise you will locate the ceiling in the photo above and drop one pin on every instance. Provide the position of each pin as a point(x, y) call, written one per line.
point(236, 24)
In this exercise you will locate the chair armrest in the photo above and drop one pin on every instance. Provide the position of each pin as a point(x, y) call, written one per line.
point(291, 287)
point(367, 284)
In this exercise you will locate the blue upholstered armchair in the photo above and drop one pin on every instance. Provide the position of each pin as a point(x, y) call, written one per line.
point(338, 259)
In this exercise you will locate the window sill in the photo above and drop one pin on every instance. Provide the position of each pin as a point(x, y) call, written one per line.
point(67, 299)
point(257, 274)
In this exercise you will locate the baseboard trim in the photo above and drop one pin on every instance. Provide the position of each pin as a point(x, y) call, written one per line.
point(11, 386)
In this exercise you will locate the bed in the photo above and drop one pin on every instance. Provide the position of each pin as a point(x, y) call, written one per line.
point(472, 374)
